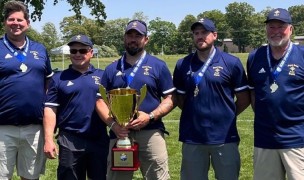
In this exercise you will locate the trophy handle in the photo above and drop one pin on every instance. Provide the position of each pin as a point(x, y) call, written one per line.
point(103, 93)
point(143, 93)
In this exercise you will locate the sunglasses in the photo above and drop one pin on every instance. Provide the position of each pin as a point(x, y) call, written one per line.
point(81, 51)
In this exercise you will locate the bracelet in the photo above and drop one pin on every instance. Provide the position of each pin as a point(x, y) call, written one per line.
point(112, 124)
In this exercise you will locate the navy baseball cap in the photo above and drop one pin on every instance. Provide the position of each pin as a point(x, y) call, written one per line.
point(206, 23)
point(138, 25)
point(279, 14)
point(83, 39)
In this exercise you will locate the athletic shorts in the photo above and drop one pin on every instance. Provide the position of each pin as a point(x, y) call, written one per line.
point(22, 146)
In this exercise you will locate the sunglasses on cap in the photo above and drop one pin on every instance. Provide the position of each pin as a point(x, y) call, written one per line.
point(81, 51)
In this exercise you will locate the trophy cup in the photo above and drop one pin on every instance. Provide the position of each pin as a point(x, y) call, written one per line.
point(123, 104)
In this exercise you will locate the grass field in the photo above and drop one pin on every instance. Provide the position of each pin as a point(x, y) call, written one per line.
point(245, 127)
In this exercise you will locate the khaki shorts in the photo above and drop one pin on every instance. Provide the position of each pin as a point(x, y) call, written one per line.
point(153, 156)
point(277, 164)
point(21, 146)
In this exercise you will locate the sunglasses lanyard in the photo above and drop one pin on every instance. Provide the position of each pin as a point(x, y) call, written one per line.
point(20, 55)
point(278, 69)
point(203, 69)
point(129, 78)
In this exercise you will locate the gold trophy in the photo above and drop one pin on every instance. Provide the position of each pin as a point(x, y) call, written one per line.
point(123, 104)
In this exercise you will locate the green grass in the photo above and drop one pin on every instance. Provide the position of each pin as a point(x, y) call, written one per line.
point(245, 127)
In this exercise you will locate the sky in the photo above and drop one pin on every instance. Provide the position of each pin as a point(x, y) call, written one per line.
point(168, 10)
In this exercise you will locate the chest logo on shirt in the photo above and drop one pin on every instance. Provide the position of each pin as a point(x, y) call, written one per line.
point(146, 70)
point(119, 73)
point(292, 69)
point(35, 54)
point(96, 79)
point(8, 56)
point(70, 83)
point(217, 70)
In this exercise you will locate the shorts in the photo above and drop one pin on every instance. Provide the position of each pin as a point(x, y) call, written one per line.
point(22, 146)
point(277, 164)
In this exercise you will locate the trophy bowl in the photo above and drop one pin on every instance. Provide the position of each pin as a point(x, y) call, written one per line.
point(123, 104)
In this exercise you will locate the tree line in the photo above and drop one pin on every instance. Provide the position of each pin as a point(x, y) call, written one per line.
point(240, 23)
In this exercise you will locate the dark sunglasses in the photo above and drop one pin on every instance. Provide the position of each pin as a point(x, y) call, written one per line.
point(81, 51)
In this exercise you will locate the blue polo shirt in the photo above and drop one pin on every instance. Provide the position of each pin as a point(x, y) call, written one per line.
point(279, 116)
point(22, 83)
point(210, 117)
point(74, 96)
point(153, 72)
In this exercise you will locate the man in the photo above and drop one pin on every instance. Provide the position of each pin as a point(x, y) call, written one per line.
point(207, 83)
point(276, 79)
point(135, 69)
point(70, 106)
point(24, 69)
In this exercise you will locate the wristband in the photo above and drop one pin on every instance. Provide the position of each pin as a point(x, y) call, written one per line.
point(151, 116)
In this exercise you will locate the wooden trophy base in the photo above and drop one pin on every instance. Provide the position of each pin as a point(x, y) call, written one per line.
point(125, 159)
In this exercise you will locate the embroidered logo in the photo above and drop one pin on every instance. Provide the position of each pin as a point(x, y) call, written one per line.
point(146, 70)
point(70, 83)
point(217, 70)
point(292, 69)
point(35, 54)
point(8, 56)
point(119, 73)
point(96, 79)
point(262, 71)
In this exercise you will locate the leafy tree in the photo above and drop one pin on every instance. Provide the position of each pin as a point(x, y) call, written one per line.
point(97, 8)
point(50, 36)
point(140, 15)
point(257, 35)
point(239, 18)
point(161, 38)
point(71, 26)
point(35, 35)
point(297, 19)
point(184, 43)
point(113, 32)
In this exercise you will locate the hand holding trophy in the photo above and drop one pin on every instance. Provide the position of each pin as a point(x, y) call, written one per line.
point(123, 104)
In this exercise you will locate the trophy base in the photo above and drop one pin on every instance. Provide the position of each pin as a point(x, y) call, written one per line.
point(125, 159)
point(124, 143)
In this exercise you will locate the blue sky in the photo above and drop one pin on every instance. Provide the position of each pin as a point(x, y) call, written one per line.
point(168, 10)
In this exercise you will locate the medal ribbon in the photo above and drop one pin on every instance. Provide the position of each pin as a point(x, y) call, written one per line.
point(20, 55)
point(129, 78)
point(279, 68)
point(200, 75)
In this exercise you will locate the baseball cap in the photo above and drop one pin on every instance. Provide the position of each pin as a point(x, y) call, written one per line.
point(83, 39)
point(279, 14)
point(137, 25)
point(207, 24)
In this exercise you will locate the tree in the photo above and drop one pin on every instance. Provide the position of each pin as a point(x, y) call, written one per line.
point(239, 18)
point(297, 19)
point(161, 36)
point(50, 36)
point(140, 16)
point(97, 8)
point(184, 43)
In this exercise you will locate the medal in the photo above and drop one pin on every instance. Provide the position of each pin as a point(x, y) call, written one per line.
point(23, 67)
point(196, 90)
point(273, 87)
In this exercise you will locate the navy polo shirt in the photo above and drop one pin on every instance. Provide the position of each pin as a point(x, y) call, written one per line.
point(153, 72)
point(22, 84)
point(210, 117)
point(279, 116)
point(74, 96)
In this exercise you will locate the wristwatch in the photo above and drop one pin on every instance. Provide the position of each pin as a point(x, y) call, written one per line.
point(151, 116)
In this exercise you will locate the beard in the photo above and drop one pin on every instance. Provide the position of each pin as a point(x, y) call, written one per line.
point(134, 51)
